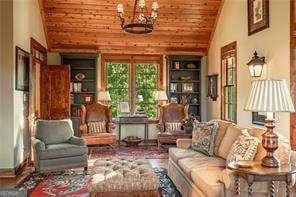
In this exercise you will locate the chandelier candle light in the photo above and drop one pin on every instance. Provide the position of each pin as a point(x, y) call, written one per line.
point(141, 22)
point(269, 96)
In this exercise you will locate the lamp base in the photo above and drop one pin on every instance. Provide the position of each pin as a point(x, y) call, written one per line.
point(270, 162)
point(270, 144)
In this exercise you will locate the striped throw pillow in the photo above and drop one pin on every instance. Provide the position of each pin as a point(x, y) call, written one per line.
point(97, 127)
point(171, 127)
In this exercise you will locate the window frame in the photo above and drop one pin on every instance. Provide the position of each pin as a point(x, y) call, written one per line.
point(132, 61)
point(228, 51)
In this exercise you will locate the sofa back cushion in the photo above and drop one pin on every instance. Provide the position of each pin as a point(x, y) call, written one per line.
point(283, 153)
point(54, 131)
point(223, 125)
point(231, 135)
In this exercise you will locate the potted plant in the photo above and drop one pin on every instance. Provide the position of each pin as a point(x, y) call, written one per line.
point(187, 124)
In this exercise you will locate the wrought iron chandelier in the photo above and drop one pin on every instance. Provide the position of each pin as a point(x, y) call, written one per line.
point(141, 22)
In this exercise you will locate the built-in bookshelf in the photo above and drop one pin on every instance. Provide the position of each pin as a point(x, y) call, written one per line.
point(83, 85)
point(184, 82)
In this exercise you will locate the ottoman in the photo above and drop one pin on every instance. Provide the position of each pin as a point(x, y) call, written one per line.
point(123, 177)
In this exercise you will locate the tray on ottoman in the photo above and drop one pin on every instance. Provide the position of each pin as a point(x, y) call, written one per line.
point(123, 177)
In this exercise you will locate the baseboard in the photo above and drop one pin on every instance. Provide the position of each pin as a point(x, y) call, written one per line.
point(13, 172)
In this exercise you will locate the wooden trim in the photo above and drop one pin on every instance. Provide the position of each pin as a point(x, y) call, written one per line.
point(226, 51)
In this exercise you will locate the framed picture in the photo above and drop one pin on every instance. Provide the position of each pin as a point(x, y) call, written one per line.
point(258, 15)
point(213, 87)
point(187, 87)
point(258, 118)
point(22, 64)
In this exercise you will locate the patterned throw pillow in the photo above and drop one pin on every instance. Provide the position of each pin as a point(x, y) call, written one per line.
point(171, 127)
point(97, 127)
point(203, 137)
point(244, 148)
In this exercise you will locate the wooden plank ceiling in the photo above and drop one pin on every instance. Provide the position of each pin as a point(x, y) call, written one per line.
point(182, 27)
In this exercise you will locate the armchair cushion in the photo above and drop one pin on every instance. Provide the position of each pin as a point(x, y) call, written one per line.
point(54, 131)
point(170, 127)
point(62, 150)
point(97, 127)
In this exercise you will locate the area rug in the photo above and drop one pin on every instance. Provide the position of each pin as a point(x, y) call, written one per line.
point(74, 183)
point(146, 152)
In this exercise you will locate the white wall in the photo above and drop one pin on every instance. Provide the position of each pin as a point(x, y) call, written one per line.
point(6, 85)
point(273, 43)
point(20, 20)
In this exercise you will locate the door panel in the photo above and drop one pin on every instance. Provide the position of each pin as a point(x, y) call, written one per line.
point(55, 92)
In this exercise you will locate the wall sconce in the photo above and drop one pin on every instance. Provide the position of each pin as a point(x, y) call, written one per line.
point(256, 65)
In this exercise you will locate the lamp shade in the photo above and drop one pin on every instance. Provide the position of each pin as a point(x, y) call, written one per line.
point(104, 96)
point(161, 95)
point(269, 96)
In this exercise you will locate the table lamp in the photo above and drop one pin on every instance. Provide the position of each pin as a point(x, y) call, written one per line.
point(269, 96)
point(104, 96)
point(161, 95)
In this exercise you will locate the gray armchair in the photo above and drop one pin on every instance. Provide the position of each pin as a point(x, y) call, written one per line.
point(56, 148)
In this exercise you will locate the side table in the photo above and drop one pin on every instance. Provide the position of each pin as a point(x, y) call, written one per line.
point(259, 173)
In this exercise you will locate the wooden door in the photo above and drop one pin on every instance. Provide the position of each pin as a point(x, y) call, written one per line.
point(293, 73)
point(55, 92)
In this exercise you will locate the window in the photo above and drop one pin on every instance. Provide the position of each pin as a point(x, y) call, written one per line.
point(117, 84)
point(146, 81)
point(229, 82)
point(134, 79)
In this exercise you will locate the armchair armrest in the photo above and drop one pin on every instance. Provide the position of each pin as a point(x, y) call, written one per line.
point(184, 143)
point(37, 144)
point(83, 129)
point(77, 141)
point(160, 127)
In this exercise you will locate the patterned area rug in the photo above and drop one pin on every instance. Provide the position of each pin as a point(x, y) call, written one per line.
point(147, 152)
point(74, 183)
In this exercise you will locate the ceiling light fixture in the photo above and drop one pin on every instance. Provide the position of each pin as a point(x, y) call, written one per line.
point(141, 22)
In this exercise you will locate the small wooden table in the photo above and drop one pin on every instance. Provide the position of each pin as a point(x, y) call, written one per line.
point(172, 137)
point(259, 173)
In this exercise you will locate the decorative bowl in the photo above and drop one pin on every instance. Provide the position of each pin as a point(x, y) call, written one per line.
point(132, 140)
point(79, 76)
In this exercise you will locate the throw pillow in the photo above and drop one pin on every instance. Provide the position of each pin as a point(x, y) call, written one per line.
point(244, 148)
point(97, 127)
point(171, 127)
point(203, 137)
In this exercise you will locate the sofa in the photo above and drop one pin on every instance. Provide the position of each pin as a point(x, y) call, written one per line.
point(56, 148)
point(196, 174)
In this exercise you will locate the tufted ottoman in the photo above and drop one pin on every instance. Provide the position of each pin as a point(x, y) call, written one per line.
point(123, 177)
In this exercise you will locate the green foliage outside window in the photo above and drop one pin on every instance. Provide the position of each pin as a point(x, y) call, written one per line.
point(146, 78)
point(117, 85)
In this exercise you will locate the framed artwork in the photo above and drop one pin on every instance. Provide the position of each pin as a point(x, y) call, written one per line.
point(22, 64)
point(187, 87)
point(213, 87)
point(258, 118)
point(258, 15)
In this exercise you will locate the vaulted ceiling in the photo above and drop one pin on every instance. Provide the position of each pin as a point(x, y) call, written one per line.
point(182, 27)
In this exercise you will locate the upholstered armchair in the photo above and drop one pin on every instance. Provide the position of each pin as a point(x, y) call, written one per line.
point(169, 126)
point(96, 124)
point(56, 148)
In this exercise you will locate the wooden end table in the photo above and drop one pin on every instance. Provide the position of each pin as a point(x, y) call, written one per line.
point(259, 173)
point(172, 137)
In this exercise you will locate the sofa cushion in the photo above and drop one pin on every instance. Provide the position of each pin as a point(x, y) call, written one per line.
point(203, 137)
point(223, 125)
point(176, 154)
point(244, 148)
point(188, 164)
point(54, 131)
point(229, 138)
point(62, 150)
point(283, 153)
point(207, 180)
